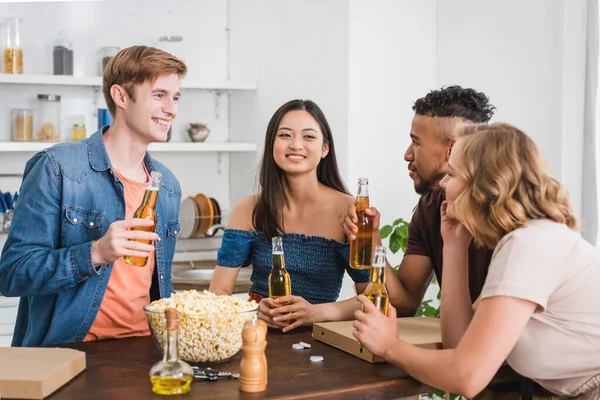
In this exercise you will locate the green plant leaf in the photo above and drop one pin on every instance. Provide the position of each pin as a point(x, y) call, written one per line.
point(395, 243)
point(399, 221)
point(385, 231)
point(403, 245)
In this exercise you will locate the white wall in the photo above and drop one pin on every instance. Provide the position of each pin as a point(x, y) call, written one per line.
point(529, 57)
point(391, 64)
point(293, 50)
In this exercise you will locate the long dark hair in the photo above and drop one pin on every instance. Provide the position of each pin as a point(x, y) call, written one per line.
point(267, 216)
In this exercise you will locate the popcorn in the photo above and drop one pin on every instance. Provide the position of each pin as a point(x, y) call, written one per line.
point(210, 326)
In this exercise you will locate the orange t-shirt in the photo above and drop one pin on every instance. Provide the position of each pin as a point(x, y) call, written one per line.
point(121, 312)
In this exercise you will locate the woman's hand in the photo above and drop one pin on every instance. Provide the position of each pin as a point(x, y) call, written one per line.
point(264, 312)
point(294, 311)
point(374, 330)
point(453, 232)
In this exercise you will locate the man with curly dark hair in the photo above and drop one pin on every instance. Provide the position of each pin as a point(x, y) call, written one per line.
point(431, 133)
point(432, 137)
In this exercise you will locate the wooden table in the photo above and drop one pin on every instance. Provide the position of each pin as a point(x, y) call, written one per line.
point(118, 369)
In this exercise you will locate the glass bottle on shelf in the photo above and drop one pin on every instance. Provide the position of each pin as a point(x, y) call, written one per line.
point(63, 55)
point(22, 125)
point(105, 54)
point(48, 118)
point(376, 290)
point(171, 375)
point(361, 248)
point(12, 52)
point(78, 132)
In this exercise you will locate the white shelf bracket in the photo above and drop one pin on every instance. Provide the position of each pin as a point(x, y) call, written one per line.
point(219, 162)
point(217, 103)
point(97, 93)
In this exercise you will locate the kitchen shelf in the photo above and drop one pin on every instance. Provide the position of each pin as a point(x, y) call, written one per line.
point(96, 81)
point(174, 147)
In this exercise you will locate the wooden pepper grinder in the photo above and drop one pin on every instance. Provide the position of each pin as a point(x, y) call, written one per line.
point(253, 367)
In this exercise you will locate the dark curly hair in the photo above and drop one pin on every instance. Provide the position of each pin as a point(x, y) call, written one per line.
point(454, 101)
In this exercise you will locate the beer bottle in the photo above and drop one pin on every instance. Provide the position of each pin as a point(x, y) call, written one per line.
point(279, 279)
point(146, 210)
point(376, 291)
point(361, 248)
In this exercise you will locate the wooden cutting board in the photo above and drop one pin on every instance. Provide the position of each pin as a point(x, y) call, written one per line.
point(419, 331)
point(35, 372)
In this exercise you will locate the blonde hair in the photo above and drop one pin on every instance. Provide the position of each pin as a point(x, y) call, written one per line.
point(134, 66)
point(507, 183)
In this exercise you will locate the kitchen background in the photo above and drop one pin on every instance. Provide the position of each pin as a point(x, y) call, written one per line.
point(364, 62)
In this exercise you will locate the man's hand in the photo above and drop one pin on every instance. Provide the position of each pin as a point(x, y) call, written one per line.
point(349, 219)
point(453, 232)
point(374, 330)
point(116, 242)
point(294, 311)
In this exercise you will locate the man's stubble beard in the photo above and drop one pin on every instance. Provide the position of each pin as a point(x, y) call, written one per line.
point(431, 183)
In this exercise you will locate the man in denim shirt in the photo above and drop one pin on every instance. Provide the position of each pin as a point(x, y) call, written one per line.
point(72, 225)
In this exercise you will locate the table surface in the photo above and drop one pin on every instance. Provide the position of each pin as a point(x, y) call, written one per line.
point(118, 369)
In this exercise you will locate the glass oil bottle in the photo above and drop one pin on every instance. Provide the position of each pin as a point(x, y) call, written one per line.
point(171, 375)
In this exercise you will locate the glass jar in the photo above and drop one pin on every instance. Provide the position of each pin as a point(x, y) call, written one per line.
point(12, 53)
point(48, 118)
point(63, 55)
point(172, 45)
point(78, 132)
point(22, 125)
point(105, 54)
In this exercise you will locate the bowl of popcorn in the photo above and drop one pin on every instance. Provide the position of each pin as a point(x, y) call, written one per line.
point(210, 326)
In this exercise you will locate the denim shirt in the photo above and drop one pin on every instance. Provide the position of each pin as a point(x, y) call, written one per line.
point(68, 199)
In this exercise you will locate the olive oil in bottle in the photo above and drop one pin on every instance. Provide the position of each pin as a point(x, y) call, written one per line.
point(361, 248)
point(279, 279)
point(171, 375)
point(376, 291)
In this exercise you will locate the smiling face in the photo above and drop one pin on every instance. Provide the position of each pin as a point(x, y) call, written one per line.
point(152, 112)
point(298, 146)
point(454, 182)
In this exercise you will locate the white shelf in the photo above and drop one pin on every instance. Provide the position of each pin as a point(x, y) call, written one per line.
point(231, 147)
point(96, 81)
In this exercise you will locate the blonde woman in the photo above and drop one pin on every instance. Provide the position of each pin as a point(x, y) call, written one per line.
point(540, 306)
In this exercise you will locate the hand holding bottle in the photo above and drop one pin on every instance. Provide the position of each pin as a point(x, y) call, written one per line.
point(117, 242)
point(349, 219)
point(294, 313)
point(375, 331)
point(264, 313)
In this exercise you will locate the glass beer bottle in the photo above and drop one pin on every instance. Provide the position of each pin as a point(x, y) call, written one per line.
point(279, 279)
point(361, 248)
point(376, 291)
point(146, 210)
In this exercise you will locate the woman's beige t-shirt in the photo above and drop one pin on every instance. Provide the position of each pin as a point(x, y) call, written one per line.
point(550, 265)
